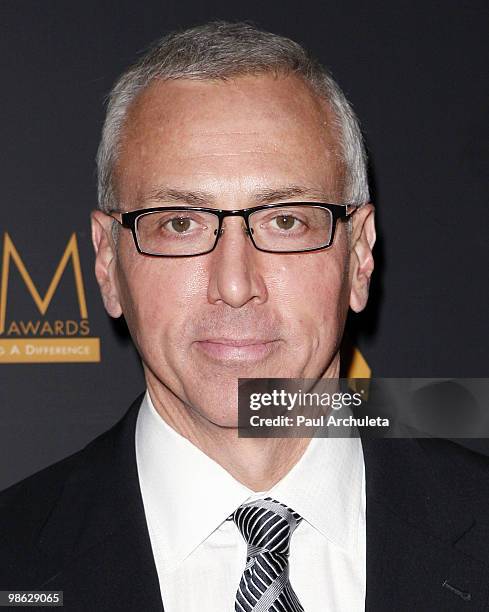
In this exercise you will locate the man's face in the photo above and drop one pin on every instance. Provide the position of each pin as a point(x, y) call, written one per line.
point(201, 322)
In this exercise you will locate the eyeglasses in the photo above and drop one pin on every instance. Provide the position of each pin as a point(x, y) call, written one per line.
point(186, 231)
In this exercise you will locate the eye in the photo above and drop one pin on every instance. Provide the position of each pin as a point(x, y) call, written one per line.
point(287, 222)
point(179, 225)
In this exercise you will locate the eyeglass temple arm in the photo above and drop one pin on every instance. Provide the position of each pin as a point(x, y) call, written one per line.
point(116, 215)
point(351, 208)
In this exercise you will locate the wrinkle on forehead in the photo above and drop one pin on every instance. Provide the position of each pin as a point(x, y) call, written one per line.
point(162, 194)
point(196, 129)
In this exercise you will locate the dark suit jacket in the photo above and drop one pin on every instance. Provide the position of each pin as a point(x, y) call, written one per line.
point(79, 526)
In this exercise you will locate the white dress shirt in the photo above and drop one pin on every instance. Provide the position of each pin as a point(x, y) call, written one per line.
point(200, 556)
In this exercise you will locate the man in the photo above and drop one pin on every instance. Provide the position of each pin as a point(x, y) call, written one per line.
point(234, 232)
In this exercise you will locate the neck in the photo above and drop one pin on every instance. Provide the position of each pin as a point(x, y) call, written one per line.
point(258, 463)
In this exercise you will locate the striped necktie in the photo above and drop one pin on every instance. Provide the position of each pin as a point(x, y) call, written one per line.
point(266, 525)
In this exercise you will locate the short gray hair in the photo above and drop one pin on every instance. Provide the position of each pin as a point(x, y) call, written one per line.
point(222, 50)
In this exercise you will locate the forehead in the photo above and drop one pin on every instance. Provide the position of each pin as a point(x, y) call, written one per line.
point(251, 132)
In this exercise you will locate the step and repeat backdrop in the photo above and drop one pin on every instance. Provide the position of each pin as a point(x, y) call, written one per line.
point(416, 73)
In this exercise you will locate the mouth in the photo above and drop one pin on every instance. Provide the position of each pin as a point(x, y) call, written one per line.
point(232, 349)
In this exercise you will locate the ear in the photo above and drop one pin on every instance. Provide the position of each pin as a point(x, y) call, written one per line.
point(105, 261)
point(362, 241)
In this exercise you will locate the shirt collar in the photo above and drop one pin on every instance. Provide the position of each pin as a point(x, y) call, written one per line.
point(177, 479)
point(327, 488)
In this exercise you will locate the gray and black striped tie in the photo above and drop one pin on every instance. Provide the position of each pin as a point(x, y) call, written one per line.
point(266, 525)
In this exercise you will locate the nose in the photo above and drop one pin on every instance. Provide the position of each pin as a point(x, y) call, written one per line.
point(235, 278)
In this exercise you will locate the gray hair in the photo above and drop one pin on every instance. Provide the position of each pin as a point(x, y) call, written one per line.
point(222, 50)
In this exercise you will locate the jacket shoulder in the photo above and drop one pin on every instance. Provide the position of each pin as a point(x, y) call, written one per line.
point(427, 477)
point(461, 469)
point(31, 498)
point(45, 517)
point(455, 458)
point(25, 506)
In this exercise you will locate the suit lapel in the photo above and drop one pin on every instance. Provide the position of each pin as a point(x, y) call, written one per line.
point(417, 553)
point(96, 543)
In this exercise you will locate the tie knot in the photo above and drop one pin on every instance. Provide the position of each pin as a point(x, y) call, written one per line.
point(266, 525)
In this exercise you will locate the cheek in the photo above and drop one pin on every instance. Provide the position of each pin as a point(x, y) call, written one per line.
point(312, 292)
point(157, 296)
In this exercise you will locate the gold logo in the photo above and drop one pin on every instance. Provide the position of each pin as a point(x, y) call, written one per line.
point(44, 340)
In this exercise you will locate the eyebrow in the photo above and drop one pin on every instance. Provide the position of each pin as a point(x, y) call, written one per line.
point(262, 196)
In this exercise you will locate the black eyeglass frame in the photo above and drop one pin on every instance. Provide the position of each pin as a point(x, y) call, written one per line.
point(129, 221)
